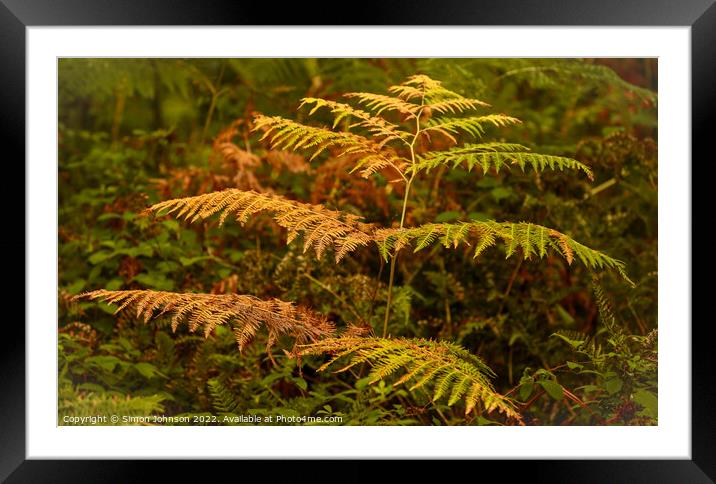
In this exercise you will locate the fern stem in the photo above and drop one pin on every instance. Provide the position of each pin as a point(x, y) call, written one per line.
point(330, 291)
point(394, 258)
point(390, 294)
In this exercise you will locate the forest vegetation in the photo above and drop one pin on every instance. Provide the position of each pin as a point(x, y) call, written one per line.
point(387, 241)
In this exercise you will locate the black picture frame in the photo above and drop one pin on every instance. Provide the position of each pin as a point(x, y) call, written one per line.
point(16, 15)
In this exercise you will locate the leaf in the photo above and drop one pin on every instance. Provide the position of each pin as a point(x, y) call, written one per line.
point(500, 193)
point(300, 383)
point(649, 401)
point(76, 286)
point(447, 216)
point(99, 257)
point(107, 363)
point(148, 370)
point(613, 385)
point(552, 388)
point(155, 281)
point(526, 390)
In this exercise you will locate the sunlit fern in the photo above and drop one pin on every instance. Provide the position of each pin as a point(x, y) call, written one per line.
point(497, 156)
point(321, 228)
point(244, 314)
point(419, 99)
point(531, 239)
point(450, 371)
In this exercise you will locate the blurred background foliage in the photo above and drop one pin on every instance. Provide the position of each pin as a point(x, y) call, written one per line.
point(136, 131)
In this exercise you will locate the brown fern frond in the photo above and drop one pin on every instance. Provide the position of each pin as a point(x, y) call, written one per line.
point(321, 228)
point(244, 314)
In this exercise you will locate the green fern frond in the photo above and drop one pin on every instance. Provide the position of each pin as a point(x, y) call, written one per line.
point(221, 398)
point(557, 71)
point(449, 369)
point(320, 227)
point(532, 239)
point(497, 156)
point(473, 125)
point(604, 306)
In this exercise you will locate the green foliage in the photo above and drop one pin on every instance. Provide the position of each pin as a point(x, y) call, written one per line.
point(134, 133)
point(527, 239)
point(497, 156)
point(452, 372)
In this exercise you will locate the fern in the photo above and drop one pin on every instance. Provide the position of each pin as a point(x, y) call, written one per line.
point(531, 239)
point(285, 134)
point(475, 125)
point(221, 397)
point(377, 126)
point(389, 132)
point(452, 372)
point(244, 314)
point(497, 156)
point(322, 228)
point(553, 70)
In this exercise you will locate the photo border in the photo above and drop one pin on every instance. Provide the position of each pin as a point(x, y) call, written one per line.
point(16, 15)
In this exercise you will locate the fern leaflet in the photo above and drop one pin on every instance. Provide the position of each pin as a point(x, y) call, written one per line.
point(449, 369)
point(244, 314)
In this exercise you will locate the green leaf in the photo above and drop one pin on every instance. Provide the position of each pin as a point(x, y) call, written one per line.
point(100, 256)
point(526, 390)
point(301, 383)
point(76, 286)
point(363, 383)
point(107, 363)
point(188, 261)
point(447, 216)
point(566, 317)
point(552, 388)
point(613, 385)
point(148, 370)
point(649, 401)
point(114, 284)
point(155, 281)
point(500, 193)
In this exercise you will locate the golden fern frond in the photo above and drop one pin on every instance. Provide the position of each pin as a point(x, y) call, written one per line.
point(451, 371)
point(498, 155)
point(285, 134)
point(376, 125)
point(381, 102)
point(321, 228)
point(473, 125)
point(244, 314)
point(531, 238)
point(434, 96)
point(421, 87)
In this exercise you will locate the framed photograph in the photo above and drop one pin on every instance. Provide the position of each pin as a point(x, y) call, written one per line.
point(413, 237)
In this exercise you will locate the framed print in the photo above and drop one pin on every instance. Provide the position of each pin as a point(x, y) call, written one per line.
point(427, 238)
